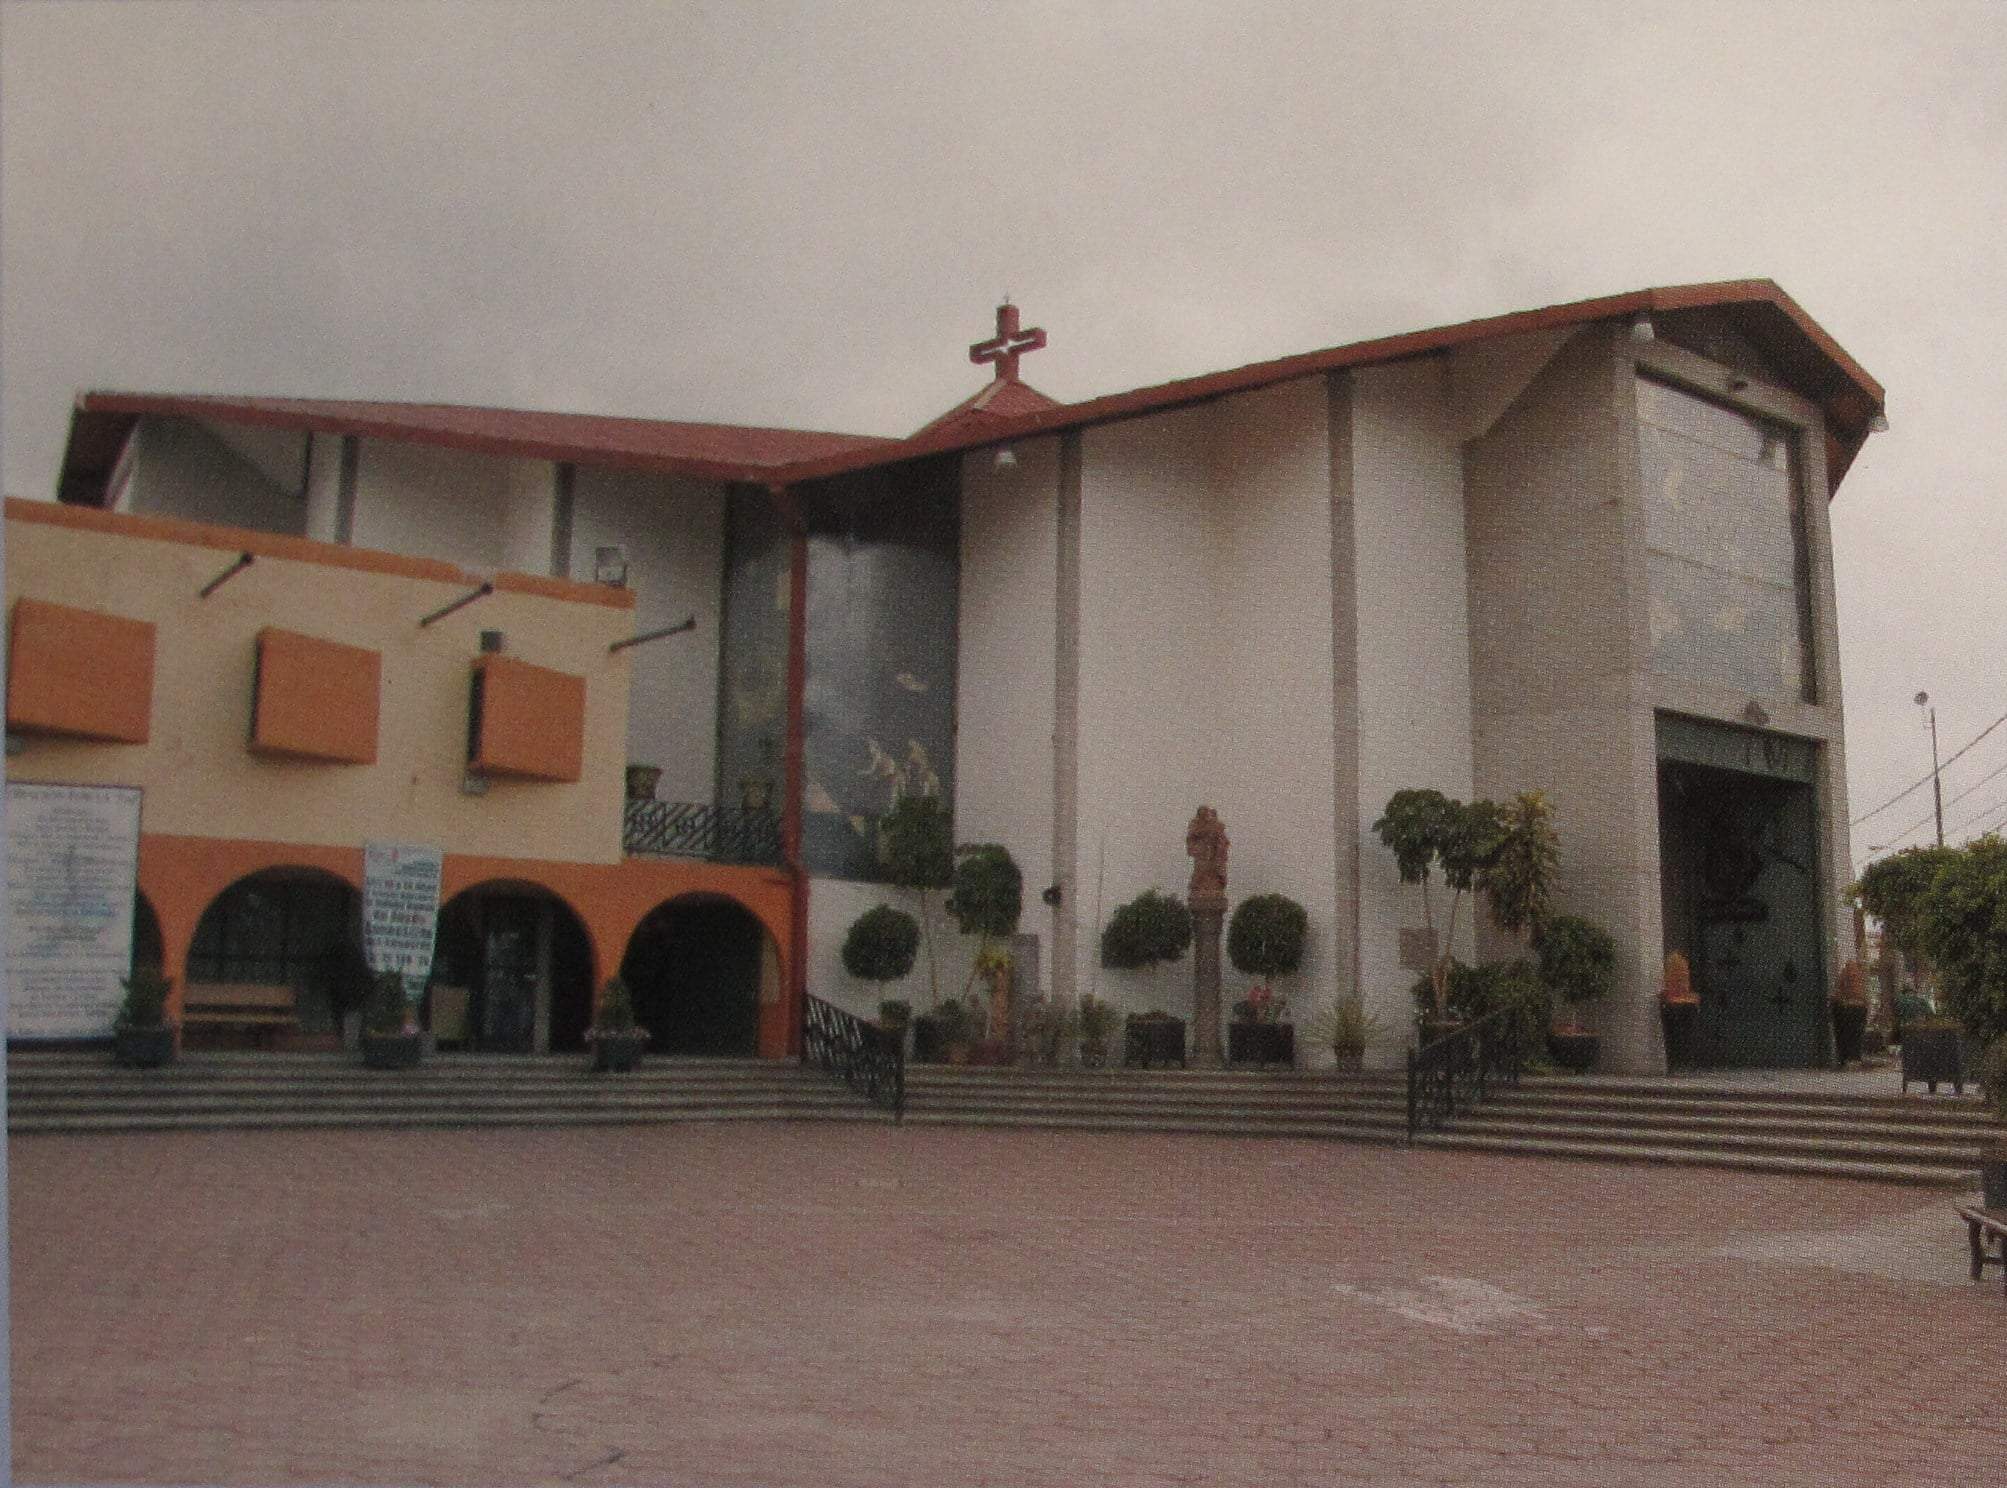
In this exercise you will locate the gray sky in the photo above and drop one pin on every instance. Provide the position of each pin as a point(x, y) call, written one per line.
point(802, 214)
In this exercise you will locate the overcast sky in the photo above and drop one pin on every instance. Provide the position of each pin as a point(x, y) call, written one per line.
point(802, 215)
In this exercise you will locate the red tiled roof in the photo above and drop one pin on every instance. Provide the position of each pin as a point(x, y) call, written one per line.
point(1813, 363)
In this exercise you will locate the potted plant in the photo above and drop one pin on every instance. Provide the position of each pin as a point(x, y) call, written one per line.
point(1427, 831)
point(880, 947)
point(1097, 1022)
point(1464, 1000)
point(1153, 1038)
point(1265, 939)
point(956, 1030)
point(1345, 1028)
point(917, 846)
point(1679, 1011)
point(1933, 1051)
point(1578, 962)
point(1048, 1023)
point(1850, 1014)
point(142, 1038)
point(617, 1041)
point(390, 1037)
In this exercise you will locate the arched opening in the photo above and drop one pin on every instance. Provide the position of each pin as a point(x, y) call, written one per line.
point(511, 972)
point(298, 928)
point(696, 967)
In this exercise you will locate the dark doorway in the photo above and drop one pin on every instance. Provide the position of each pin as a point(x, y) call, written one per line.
point(1738, 855)
point(694, 969)
point(511, 974)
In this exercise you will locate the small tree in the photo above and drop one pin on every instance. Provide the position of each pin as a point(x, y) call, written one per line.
point(1428, 831)
point(145, 1004)
point(1961, 924)
point(387, 1012)
point(881, 944)
point(1149, 930)
point(916, 841)
point(1893, 889)
point(1518, 882)
point(1266, 934)
point(1578, 960)
point(615, 1014)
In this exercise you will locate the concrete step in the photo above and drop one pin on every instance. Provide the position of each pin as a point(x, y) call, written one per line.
point(1819, 1167)
point(1842, 1146)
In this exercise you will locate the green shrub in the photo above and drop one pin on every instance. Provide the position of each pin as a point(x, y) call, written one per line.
point(145, 1004)
point(1152, 927)
point(1578, 959)
point(1993, 1075)
point(1517, 985)
point(957, 1023)
point(1344, 1026)
point(387, 1011)
point(989, 891)
point(616, 1008)
point(1962, 925)
point(895, 1012)
point(1265, 936)
point(1096, 1019)
point(881, 944)
point(1518, 882)
point(1465, 988)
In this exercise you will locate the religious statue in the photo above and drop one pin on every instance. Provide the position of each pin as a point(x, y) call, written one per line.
point(1206, 842)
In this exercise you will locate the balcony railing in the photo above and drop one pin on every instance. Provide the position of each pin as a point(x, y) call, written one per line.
point(689, 829)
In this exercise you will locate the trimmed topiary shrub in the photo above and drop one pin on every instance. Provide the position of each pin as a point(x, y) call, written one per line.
point(1578, 959)
point(1265, 936)
point(1152, 927)
point(881, 944)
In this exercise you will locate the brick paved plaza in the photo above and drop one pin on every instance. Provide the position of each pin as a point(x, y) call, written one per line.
point(771, 1304)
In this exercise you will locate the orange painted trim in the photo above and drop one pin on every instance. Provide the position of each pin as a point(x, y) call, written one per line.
point(79, 674)
point(303, 550)
point(571, 591)
point(532, 721)
point(316, 699)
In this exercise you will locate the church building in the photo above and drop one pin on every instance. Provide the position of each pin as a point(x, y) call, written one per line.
point(650, 685)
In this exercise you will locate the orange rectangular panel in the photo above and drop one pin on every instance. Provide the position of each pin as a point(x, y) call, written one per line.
point(529, 721)
point(316, 700)
point(79, 673)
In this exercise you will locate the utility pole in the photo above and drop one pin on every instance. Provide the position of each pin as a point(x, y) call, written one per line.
point(1936, 785)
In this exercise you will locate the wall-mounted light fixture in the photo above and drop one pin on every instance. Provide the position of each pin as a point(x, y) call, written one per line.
point(609, 566)
point(1641, 328)
point(1006, 458)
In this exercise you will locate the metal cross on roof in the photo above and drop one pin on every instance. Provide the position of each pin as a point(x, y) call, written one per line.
point(1007, 345)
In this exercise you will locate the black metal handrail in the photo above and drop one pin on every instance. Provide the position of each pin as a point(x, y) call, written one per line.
point(1456, 1071)
point(692, 829)
point(867, 1058)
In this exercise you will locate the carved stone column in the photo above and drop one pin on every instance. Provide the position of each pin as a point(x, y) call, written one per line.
point(1207, 918)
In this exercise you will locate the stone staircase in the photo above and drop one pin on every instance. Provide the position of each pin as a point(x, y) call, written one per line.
point(83, 1092)
point(1917, 1140)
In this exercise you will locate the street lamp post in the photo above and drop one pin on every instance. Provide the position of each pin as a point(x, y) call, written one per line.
point(1936, 785)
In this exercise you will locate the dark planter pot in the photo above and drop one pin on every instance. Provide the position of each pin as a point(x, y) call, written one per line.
point(142, 1048)
point(617, 1053)
point(1850, 1025)
point(930, 1041)
point(1261, 1044)
point(1681, 1021)
point(1574, 1052)
point(1993, 1177)
point(392, 1050)
point(1935, 1056)
point(1152, 1041)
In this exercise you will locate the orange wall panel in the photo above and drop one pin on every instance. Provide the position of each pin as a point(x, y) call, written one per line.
point(79, 673)
point(316, 700)
point(532, 721)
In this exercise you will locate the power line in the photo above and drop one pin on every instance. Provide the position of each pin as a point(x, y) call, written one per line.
point(1919, 785)
point(1925, 820)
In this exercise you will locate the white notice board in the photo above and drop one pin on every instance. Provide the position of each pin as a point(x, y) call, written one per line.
point(400, 909)
point(72, 872)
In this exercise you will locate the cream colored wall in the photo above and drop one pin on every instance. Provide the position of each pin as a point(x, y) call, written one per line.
point(1413, 629)
point(1206, 667)
point(200, 779)
point(674, 533)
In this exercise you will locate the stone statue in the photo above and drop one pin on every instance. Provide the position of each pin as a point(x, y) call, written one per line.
point(1206, 841)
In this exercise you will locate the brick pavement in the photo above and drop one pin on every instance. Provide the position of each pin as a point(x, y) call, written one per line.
point(770, 1304)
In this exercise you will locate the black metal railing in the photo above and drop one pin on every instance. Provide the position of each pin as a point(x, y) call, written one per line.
point(1455, 1072)
point(690, 829)
point(862, 1055)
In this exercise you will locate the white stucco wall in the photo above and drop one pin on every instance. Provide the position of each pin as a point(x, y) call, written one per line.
point(1004, 691)
point(1205, 668)
point(466, 508)
point(182, 468)
point(673, 531)
point(1413, 647)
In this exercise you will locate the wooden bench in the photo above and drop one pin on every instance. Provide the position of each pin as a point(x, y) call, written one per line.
point(252, 1007)
point(1983, 1228)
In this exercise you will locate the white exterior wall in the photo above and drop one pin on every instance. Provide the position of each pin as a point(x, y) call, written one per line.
point(324, 488)
point(674, 533)
point(466, 508)
point(1005, 661)
point(1413, 650)
point(1206, 669)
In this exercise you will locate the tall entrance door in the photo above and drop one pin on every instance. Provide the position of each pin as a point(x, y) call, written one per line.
point(694, 969)
point(1739, 865)
point(511, 974)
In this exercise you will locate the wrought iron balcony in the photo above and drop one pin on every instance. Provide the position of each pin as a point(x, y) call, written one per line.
point(689, 829)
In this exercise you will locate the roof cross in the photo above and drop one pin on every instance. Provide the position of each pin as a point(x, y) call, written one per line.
point(1007, 345)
